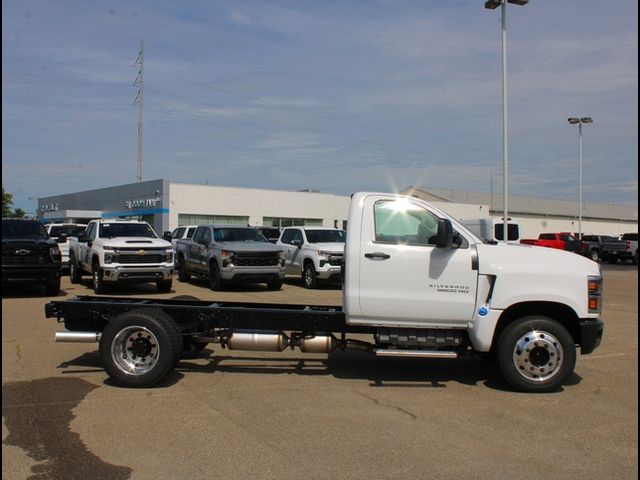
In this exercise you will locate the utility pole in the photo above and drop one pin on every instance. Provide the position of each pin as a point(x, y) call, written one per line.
point(139, 100)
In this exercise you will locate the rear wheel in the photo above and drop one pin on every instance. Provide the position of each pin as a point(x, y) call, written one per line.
point(536, 354)
point(309, 279)
point(138, 348)
point(594, 255)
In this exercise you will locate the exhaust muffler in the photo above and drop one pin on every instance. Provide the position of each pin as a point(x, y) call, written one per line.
point(78, 337)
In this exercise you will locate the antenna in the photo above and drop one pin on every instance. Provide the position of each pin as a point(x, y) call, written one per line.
point(139, 100)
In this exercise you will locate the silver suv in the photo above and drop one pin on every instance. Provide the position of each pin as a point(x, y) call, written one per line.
point(315, 253)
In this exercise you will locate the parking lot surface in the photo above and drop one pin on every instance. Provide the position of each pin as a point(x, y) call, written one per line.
point(239, 415)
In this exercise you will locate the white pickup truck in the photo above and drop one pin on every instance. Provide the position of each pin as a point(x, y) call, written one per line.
point(120, 251)
point(418, 283)
point(314, 253)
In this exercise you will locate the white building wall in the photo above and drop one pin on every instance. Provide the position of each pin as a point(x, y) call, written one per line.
point(255, 204)
point(531, 227)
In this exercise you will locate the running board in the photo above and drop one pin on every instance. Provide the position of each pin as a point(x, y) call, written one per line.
point(415, 353)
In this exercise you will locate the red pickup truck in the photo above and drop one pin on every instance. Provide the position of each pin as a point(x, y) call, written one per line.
point(561, 241)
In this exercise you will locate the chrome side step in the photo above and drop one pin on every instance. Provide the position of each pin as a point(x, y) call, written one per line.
point(415, 353)
point(78, 337)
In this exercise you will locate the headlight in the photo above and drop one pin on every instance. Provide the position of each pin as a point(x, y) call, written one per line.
point(324, 253)
point(55, 254)
point(168, 255)
point(110, 257)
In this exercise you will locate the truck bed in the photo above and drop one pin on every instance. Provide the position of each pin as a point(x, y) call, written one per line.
point(92, 313)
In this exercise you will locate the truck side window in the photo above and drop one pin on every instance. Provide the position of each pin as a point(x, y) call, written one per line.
point(287, 236)
point(177, 233)
point(297, 235)
point(91, 231)
point(206, 236)
point(199, 233)
point(402, 222)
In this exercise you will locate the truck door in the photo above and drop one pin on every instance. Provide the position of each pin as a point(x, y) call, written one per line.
point(404, 279)
point(197, 251)
point(291, 252)
point(84, 251)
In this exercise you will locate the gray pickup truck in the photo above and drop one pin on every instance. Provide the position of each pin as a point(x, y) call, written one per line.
point(601, 247)
point(230, 254)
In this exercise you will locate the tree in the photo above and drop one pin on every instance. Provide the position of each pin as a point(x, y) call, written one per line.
point(7, 204)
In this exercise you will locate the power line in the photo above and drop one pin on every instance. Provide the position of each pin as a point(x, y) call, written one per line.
point(48, 62)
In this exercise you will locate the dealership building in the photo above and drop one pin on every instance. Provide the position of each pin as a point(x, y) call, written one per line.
point(165, 205)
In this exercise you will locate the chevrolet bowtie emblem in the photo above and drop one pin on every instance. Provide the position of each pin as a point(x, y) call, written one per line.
point(22, 251)
point(140, 252)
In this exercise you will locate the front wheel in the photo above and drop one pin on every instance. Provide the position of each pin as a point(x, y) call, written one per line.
point(309, 278)
point(164, 286)
point(138, 348)
point(635, 258)
point(75, 272)
point(215, 282)
point(98, 281)
point(536, 354)
point(53, 286)
point(183, 275)
point(273, 286)
point(613, 260)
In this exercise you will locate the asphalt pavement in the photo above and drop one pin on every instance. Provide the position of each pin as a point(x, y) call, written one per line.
point(240, 415)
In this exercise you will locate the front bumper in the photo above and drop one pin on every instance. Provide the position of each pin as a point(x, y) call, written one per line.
point(28, 274)
point(591, 332)
point(328, 271)
point(137, 274)
point(256, 274)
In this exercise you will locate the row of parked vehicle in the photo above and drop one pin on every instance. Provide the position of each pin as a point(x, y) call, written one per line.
point(596, 247)
point(129, 251)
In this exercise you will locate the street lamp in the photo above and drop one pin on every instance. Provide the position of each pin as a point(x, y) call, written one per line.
point(579, 122)
point(491, 5)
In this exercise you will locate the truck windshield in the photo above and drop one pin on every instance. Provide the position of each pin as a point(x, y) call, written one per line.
point(328, 236)
point(238, 235)
point(23, 229)
point(69, 230)
point(112, 230)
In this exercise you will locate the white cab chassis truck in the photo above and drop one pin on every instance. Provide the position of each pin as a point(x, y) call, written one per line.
point(120, 251)
point(415, 281)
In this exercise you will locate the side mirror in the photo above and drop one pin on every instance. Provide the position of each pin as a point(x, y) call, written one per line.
point(297, 243)
point(62, 238)
point(167, 236)
point(444, 237)
point(82, 237)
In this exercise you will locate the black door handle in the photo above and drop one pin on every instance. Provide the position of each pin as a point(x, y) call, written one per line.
point(380, 255)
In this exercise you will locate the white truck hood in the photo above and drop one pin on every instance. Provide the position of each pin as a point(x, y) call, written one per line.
point(333, 247)
point(136, 242)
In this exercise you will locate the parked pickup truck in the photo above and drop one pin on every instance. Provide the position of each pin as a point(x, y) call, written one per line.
point(314, 253)
point(230, 253)
point(60, 232)
point(601, 247)
point(29, 255)
point(630, 250)
point(120, 251)
point(416, 282)
point(560, 241)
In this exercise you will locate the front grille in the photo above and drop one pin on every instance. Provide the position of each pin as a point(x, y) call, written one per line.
point(336, 259)
point(128, 259)
point(258, 259)
point(29, 259)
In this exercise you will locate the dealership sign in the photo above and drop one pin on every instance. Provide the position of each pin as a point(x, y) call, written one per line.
point(142, 203)
point(49, 207)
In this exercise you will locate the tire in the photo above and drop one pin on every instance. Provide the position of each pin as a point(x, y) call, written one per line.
point(613, 260)
point(536, 354)
point(53, 287)
point(156, 344)
point(215, 282)
point(75, 272)
point(273, 286)
point(594, 255)
point(309, 279)
point(164, 286)
point(635, 258)
point(98, 281)
point(183, 275)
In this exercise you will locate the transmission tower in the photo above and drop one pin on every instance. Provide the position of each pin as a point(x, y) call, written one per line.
point(139, 100)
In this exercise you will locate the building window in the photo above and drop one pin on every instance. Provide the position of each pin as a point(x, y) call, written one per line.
point(189, 219)
point(280, 222)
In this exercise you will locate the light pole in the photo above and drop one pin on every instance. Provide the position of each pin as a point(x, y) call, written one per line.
point(491, 5)
point(579, 122)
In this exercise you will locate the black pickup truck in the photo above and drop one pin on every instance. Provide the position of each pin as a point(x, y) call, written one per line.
point(29, 255)
point(601, 247)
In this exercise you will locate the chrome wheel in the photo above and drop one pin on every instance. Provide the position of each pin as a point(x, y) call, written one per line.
point(538, 356)
point(135, 350)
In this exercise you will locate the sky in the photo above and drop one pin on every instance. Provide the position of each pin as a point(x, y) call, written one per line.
point(336, 96)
